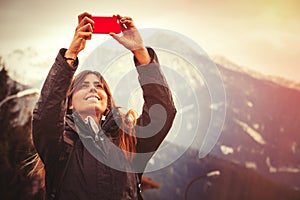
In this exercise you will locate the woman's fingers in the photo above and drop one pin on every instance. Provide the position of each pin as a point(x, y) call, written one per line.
point(85, 28)
point(85, 35)
point(83, 15)
point(126, 22)
point(85, 32)
point(84, 21)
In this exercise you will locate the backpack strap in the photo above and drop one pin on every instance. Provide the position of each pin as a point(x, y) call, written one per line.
point(139, 183)
point(63, 163)
point(67, 140)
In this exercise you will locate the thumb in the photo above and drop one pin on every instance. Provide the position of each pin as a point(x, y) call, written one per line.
point(115, 36)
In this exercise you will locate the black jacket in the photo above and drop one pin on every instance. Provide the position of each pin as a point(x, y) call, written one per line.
point(86, 177)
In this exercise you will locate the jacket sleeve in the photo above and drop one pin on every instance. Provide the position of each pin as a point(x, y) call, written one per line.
point(49, 111)
point(158, 110)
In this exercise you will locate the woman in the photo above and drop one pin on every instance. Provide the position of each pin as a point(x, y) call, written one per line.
point(79, 132)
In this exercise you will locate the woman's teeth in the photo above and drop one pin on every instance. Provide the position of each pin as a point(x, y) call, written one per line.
point(92, 99)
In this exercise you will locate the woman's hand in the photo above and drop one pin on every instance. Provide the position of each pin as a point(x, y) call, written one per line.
point(83, 32)
point(132, 40)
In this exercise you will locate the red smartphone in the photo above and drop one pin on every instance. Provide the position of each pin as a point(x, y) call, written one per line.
point(105, 25)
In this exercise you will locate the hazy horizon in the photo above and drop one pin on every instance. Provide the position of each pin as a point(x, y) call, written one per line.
point(262, 36)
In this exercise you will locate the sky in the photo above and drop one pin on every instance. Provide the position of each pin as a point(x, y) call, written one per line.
point(259, 35)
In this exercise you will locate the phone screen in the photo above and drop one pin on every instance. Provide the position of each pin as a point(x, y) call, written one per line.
point(105, 25)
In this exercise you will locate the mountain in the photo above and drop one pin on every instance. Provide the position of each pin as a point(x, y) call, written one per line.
point(276, 79)
point(258, 149)
point(256, 153)
point(29, 66)
point(261, 126)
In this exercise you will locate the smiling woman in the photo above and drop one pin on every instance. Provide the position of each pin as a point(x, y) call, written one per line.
point(86, 147)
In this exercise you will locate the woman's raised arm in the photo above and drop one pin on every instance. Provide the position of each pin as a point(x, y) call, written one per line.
point(50, 110)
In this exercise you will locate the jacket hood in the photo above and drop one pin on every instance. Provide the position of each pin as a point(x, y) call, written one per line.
point(109, 126)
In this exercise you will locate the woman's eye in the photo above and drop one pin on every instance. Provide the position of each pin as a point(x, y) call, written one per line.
point(99, 86)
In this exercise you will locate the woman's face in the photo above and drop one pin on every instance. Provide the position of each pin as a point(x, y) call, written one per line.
point(89, 97)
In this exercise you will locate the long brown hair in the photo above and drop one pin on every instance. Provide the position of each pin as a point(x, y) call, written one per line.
point(127, 139)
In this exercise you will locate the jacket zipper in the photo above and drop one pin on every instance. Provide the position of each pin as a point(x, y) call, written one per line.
point(96, 136)
point(94, 126)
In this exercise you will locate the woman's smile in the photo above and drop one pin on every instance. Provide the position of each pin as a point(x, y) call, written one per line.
point(92, 98)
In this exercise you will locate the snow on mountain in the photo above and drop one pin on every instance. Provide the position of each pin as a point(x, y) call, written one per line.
point(276, 79)
point(22, 96)
point(257, 137)
point(28, 66)
point(261, 127)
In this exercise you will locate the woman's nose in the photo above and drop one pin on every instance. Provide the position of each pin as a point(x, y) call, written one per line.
point(93, 89)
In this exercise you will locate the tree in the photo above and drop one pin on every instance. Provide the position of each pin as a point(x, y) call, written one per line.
point(15, 144)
